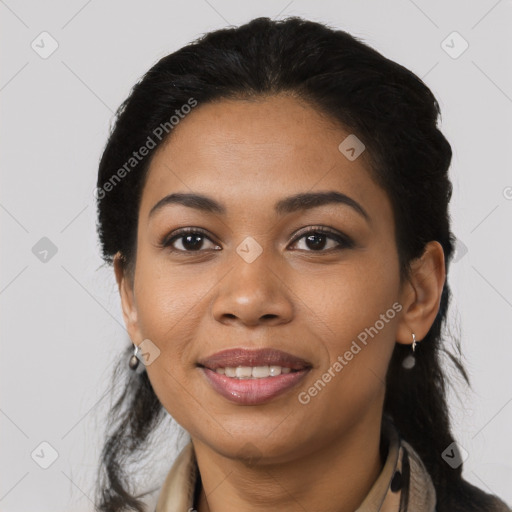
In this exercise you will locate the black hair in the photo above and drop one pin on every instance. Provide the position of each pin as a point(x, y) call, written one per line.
point(391, 110)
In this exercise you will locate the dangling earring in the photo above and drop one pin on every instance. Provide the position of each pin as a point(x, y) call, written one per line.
point(410, 360)
point(134, 360)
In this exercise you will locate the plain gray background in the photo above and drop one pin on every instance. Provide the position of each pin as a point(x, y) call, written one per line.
point(61, 325)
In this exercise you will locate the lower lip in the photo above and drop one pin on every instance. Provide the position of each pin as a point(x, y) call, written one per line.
point(252, 391)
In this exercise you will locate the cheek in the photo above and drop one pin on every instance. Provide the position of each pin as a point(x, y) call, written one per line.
point(352, 299)
point(170, 299)
point(170, 311)
point(357, 310)
point(359, 341)
point(343, 309)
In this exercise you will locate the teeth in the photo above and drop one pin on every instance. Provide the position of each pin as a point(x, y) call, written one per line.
point(255, 372)
point(243, 372)
point(230, 372)
point(259, 372)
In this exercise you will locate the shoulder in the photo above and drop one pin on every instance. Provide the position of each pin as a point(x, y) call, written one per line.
point(469, 498)
point(455, 496)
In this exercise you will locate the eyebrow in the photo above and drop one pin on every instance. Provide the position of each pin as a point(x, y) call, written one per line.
point(302, 201)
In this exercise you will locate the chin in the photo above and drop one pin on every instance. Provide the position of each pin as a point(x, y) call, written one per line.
point(254, 446)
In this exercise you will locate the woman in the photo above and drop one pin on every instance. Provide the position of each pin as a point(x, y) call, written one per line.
point(274, 201)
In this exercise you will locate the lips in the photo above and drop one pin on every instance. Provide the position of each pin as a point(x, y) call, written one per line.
point(259, 357)
point(253, 391)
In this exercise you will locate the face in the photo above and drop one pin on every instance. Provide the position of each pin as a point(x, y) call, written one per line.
point(317, 279)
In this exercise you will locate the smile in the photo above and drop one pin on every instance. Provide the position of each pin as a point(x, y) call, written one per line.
point(253, 377)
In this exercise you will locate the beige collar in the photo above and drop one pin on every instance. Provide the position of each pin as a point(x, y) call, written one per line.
point(403, 485)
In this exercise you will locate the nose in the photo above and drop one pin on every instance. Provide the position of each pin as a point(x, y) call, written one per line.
point(252, 294)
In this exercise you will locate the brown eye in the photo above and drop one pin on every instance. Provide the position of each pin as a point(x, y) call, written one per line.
point(316, 240)
point(190, 239)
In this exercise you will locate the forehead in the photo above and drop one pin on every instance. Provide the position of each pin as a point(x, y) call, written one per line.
point(254, 152)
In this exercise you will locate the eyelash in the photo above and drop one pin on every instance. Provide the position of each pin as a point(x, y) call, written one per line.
point(343, 240)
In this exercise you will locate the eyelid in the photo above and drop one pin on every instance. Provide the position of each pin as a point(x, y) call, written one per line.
point(166, 240)
point(343, 240)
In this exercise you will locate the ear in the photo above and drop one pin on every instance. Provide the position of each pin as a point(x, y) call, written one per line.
point(126, 291)
point(421, 294)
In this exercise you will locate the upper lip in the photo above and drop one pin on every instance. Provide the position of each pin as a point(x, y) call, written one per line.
point(258, 357)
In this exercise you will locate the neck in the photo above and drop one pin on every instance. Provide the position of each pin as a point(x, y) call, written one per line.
point(335, 478)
